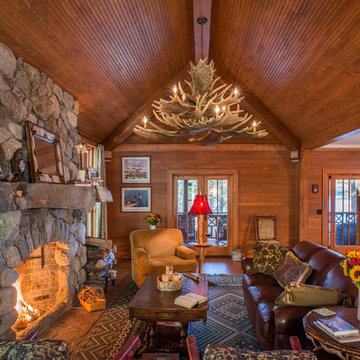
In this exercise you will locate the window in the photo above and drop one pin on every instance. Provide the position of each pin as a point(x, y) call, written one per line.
point(344, 211)
point(341, 204)
point(216, 189)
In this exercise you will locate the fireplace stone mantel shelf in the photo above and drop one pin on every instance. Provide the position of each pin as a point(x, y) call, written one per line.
point(43, 195)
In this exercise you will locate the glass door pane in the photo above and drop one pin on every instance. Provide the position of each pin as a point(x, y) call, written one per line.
point(217, 222)
point(187, 224)
point(344, 218)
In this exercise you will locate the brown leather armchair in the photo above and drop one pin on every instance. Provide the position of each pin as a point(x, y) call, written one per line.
point(152, 250)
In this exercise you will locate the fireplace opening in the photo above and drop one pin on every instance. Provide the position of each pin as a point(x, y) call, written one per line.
point(42, 288)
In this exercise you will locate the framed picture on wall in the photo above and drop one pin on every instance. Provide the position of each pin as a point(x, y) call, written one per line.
point(135, 170)
point(136, 199)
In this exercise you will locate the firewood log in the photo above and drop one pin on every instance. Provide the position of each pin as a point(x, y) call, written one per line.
point(101, 243)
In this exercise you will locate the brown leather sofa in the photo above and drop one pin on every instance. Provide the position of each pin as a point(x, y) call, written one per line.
point(274, 324)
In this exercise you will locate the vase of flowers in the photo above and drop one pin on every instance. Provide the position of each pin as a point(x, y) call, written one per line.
point(351, 266)
point(153, 220)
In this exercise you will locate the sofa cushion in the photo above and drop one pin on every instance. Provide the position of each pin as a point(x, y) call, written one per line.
point(267, 257)
point(34, 350)
point(309, 295)
point(292, 269)
point(321, 262)
point(258, 279)
point(214, 352)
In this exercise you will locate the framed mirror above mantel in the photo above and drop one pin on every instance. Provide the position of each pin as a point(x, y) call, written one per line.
point(45, 158)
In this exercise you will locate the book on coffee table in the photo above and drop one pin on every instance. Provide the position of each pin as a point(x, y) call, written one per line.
point(338, 326)
point(340, 338)
point(190, 300)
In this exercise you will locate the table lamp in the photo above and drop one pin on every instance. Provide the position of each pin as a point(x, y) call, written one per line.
point(200, 207)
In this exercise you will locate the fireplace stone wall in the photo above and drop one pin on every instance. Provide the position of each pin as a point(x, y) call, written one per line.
point(32, 215)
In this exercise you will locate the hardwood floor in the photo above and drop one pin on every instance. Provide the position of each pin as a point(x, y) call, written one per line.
point(77, 322)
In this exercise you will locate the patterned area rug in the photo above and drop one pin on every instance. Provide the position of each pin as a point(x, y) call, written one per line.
point(227, 323)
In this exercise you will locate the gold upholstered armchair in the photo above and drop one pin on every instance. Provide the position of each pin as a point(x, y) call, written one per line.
point(152, 250)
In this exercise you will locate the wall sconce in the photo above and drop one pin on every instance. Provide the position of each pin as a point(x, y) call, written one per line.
point(315, 189)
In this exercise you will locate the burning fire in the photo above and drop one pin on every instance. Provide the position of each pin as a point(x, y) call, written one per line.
point(26, 312)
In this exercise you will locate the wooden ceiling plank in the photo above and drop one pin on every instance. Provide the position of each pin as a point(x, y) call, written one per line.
point(339, 131)
point(268, 120)
point(125, 129)
point(202, 8)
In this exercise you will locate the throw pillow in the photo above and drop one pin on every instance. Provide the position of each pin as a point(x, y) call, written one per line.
point(292, 269)
point(267, 257)
point(310, 295)
point(214, 352)
point(37, 349)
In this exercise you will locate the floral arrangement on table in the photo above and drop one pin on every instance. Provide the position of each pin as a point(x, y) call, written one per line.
point(351, 266)
point(153, 219)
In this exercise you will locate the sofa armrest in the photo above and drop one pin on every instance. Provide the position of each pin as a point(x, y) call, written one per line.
point(287, 319)
point(185, 253)
point(246, 263)
point(141, 256)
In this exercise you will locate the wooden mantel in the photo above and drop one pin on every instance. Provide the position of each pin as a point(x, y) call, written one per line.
point(43, 195)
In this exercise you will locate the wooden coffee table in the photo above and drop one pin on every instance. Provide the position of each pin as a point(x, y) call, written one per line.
point(152, 305)
point(321, 339)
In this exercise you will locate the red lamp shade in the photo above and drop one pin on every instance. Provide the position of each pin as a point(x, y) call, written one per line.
point(200, 206)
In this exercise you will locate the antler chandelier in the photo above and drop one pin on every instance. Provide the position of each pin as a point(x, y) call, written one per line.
point(205, 117)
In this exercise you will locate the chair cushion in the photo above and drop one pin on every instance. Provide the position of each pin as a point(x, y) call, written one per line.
point(214, 352)
point(267, 257)
point(292, 269)
point(309, 295)
point(34, 350)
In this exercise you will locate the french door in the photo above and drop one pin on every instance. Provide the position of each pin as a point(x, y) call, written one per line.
point(218, 224)
point(343, 212)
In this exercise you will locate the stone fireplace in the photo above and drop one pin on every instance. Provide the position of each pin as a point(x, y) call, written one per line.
point(44, 252)
point(42, 231)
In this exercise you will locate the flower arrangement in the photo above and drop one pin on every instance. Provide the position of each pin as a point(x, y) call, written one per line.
point(153, 219)
point(351, 266)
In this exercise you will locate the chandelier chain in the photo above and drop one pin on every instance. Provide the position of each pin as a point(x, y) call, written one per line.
point(202, 41)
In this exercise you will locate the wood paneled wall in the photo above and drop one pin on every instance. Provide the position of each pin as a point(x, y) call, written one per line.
point(324, 159)
point(267, 184)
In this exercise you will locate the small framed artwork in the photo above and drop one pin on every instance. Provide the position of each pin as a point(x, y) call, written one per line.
point(135, 170)
point(136, 199)
point(92, 173)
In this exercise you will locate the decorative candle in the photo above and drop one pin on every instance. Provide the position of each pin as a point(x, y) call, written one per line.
point(169, 269)
point(254, 125)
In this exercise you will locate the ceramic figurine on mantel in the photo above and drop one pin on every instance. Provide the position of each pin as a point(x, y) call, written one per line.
point(153, 220)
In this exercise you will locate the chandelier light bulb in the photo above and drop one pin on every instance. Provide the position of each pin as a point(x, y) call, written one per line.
point(236, 91)
point(254, 125)
point(217, 109)
point(145, 121)
point(175, 90)
point(223, 108)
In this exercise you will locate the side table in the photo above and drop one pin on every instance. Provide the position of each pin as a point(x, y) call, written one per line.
point(322, 340)
point(203, 248)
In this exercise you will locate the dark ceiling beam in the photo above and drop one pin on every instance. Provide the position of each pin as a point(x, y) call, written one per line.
point(125, 129)
point(269, 121)
point(202, 9)
point(339, 131)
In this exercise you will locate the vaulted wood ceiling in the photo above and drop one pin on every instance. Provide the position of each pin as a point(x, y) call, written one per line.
point(297, 60)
